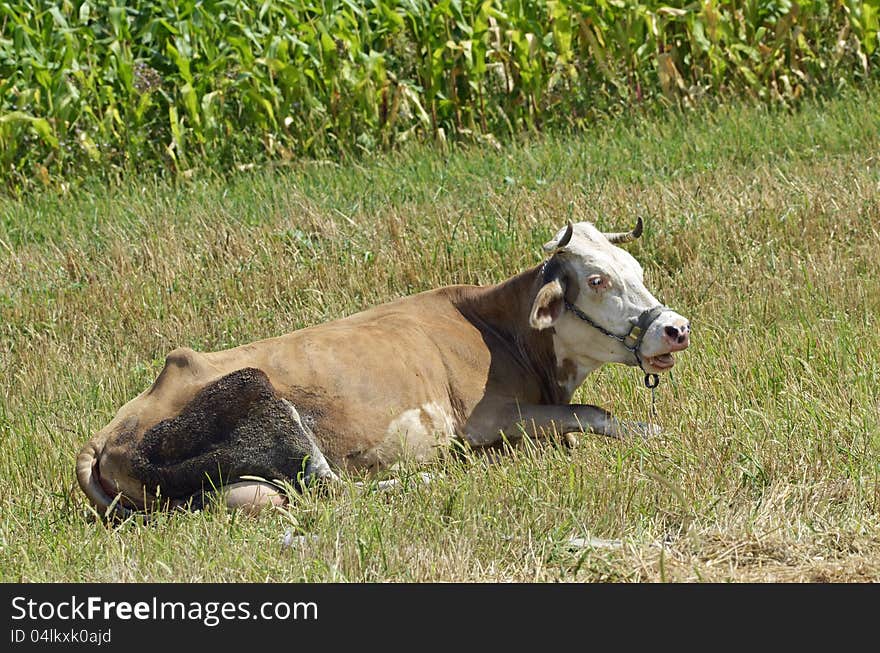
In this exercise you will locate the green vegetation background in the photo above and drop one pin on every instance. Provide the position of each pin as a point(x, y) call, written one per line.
point(103, 88)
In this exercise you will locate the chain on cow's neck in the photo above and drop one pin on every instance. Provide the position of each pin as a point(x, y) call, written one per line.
point(637, 333)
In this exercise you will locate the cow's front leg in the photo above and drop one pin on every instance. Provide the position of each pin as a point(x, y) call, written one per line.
point(516, 421)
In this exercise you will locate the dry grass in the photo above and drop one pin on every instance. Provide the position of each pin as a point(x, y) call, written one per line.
point(760, 227)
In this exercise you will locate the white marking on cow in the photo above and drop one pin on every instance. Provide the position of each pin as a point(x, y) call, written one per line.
point(582, 365)
point(412, 423)
point(408, 424)
point(419, 431)
point(444, 427)
point(317, 465)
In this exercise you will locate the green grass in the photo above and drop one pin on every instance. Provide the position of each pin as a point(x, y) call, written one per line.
point(760, 226)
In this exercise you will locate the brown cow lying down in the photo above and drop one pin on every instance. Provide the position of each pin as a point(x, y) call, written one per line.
point(396, 382)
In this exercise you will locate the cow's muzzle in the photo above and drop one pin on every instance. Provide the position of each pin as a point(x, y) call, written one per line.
point(674, 335)
point(678, 337)
point(668, 336)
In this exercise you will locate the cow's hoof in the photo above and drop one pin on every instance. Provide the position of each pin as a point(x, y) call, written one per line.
point(648, 430)
point(638, 430)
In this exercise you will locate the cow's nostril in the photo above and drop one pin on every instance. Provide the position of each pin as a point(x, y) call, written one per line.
point(672, 332)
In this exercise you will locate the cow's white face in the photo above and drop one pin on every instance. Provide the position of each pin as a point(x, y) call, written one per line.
point(606, 284)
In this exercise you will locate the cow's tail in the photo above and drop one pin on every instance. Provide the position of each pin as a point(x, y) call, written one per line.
point(88, 474)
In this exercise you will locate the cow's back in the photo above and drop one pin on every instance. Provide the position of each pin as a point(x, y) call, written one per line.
point(377, 383)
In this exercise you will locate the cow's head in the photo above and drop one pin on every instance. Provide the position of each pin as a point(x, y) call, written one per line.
point(591, 288)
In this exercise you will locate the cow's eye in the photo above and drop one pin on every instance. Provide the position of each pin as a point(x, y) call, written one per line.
point(597, 282)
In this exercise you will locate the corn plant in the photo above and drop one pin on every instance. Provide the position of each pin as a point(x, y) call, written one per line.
point(109, 87)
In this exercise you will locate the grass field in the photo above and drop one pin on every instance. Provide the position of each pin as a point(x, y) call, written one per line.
point(761, 227)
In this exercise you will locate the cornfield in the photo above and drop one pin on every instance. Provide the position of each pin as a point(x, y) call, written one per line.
point(108, 87)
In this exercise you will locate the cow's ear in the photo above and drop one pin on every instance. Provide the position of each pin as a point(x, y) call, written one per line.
point(548, 305)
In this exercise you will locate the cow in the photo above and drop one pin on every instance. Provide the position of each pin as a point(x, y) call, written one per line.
point(402, 381)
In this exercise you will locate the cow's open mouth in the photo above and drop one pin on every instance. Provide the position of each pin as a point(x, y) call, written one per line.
point(661, 362)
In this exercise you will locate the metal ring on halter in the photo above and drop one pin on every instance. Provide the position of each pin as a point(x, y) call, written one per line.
point(652, 381)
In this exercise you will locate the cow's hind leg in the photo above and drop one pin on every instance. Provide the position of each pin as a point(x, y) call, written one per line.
point(235, 429)
point(251, 496)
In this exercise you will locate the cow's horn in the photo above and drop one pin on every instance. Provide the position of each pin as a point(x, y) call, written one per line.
point(553, 245)
point(626, 236)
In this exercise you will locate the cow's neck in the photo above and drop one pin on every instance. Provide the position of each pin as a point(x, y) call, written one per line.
point(501, 312)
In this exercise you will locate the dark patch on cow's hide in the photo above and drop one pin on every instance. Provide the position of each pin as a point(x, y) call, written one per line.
point(234, 427)
point(557, 268)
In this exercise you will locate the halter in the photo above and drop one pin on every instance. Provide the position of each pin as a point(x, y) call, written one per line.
point(632, 341)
